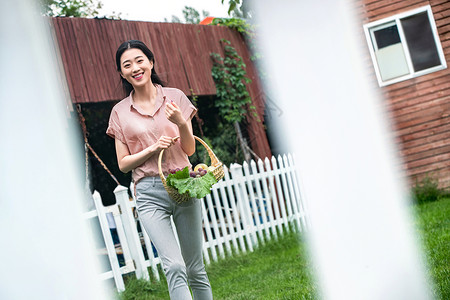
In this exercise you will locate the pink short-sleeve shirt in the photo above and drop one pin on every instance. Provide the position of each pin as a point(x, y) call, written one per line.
point(139, 130)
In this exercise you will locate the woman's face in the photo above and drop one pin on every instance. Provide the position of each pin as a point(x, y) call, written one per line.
point(135, 67)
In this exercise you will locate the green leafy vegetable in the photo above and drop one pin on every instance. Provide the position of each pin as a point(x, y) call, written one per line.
point(197, 187)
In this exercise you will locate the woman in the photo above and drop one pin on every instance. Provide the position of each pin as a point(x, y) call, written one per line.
point(150, 119)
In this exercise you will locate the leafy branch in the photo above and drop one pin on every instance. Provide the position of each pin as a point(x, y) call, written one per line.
point(234, 101)
point(245, 28)
point(241, 25)
point(229, 76)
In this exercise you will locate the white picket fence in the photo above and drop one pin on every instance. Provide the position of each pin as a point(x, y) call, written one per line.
point(252, 204)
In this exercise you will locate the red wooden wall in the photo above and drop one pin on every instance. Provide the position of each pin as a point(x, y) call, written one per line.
point(420, 107)
point(182, 54)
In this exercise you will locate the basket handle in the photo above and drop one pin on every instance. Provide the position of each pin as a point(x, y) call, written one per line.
point(161, 175)
point(214, 160)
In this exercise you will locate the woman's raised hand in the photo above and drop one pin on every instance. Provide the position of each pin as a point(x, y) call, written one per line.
point(173, 114)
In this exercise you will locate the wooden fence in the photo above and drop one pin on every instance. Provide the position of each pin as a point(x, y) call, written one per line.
point(254, 203)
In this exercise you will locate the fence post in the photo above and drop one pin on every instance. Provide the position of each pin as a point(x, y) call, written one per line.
point(129, 224)
point(281, 196)
point(284, 187)
point(253, 209)
point(243, 204)
point(215, 226)
point(294, 198)
point(234, 210)
point(112, 256)
point(262, 203)
point(209, 238)
point(268, 195)
point(229, 222)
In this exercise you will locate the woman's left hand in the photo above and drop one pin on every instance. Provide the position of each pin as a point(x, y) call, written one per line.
point(173, 114)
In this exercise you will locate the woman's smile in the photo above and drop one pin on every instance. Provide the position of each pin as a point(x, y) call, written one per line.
point(138, 76)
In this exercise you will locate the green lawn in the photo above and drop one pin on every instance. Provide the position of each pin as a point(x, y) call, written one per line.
point(281, 270)
point(433, 223)
point(278, 270)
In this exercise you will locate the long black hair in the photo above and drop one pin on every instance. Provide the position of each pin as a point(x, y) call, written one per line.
point(127, 87)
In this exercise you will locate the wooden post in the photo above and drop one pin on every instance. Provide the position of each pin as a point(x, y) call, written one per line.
point(263, 203)
point(220, 212)
point(234, 211)
point(229, 222)
point(277, 218)
point(268, 196)
point(255, 220)
point(279, 188)
point(129, 224)
point(210, 241)
point(101, 213)
point(243, 205)
point(214, 224)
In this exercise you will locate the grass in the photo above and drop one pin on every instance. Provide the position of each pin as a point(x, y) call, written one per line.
point(273, 271)
point(281, 269)
point(433, 223)
point(139, 289)
point(278, 270)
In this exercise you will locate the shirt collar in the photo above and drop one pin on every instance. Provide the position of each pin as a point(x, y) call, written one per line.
point(160, 98)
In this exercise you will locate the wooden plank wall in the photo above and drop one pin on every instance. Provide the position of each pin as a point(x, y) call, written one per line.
point(182, 54)
point(419, 108)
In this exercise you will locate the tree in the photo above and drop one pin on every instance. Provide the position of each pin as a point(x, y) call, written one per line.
point(191, 16)
point(74, 8)
point(239, 9)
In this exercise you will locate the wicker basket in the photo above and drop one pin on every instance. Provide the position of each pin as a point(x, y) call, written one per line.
point(217, 172)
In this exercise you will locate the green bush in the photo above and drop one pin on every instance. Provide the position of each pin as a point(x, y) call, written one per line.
point(427, 190)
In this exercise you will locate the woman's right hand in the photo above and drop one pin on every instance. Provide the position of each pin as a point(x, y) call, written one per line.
point(165, 142)
point(128, 161)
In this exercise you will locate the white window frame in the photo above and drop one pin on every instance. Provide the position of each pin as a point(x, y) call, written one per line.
point(396, 19)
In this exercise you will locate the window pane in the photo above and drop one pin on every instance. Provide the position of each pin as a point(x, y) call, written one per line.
point(387, 36)
point(421, 44)
point(389, 52)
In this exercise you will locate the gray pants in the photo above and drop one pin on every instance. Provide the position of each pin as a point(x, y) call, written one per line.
point(180, 265)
